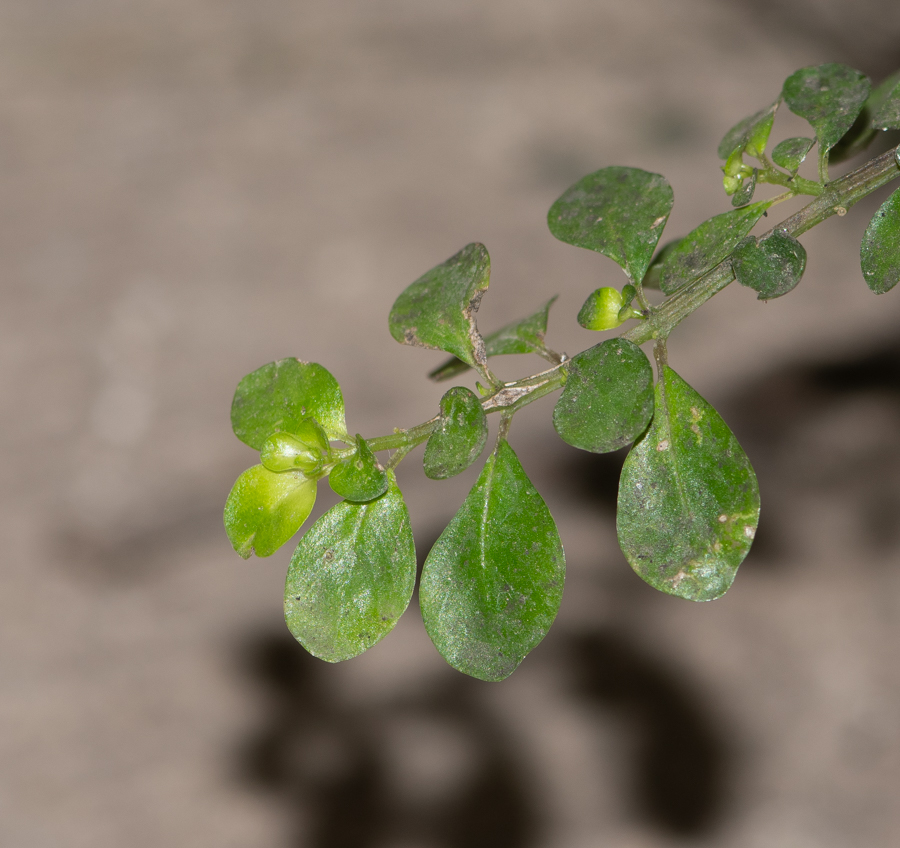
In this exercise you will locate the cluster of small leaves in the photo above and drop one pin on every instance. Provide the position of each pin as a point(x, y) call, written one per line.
point(688, 503)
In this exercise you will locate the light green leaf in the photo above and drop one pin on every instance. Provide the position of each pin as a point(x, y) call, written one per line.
point(707, 245)
point(750, 134)
point(266, 508)
point(880, 248)
point(772, 266)
point(829, 97)
point(790, 153)
point(619, 212)
point(607, 401)
point(523, 336)
point(493, 581)
point(359, 477)
point(688, 498)
point(460, 435)
point(351, 577)
point(438, 310)
point(278, 396)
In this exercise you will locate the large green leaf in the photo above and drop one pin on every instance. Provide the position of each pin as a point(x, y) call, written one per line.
point(493, 581)
point(460, 435)
point(771, 266)
point(619, 212)
point(707, 245)
point(438, 310)
point(880, 248)
point(265, 508)
point(351, 577)
point(829, 97)
point(750, 134)
point(607, 401)
point(359, 477)
point(523, 336)
point(688, 497)
point(278, 396)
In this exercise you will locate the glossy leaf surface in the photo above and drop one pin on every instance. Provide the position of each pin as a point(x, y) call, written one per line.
point(707, 245)
point(460, 436)
point(359, 477)
point(790, 153)
point(750, 134)
point(880, 248)
point(278, 396)
point(771, 266)
point(607, 401)
point(829, 97)
point(493, 581)
point(523, 336)
point(351, 577)
point(438, 310)
point(303, 450)
point(619, 212)
point(265, 508)
point(688, 498)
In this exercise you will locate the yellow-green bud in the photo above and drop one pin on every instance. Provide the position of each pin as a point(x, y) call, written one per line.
point(303, 450)
point(601, 310)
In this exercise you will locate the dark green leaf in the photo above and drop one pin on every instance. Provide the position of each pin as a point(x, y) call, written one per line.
point(359, 477)
point(607, 401)
point(493, 581)
point(266, 508)
point(886, 113)
point(828, 96)
point(619, 212)
point(523, 336)
point(880, 249)
point(688, 498)
point(278, 396)
point(351, 577)
point(438, 310)
point(791, 152)
point(745, 193)
point(771, 266)
point(750, 134)
point(705, 247)
point(876, 113)
point(460, 435)
point(653, 276)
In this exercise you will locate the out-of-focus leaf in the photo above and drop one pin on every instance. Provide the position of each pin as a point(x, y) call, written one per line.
point(688, 498)
point(772, 266)
point(880, 248)
point(881, 106)
point(886, 111)
point(653, 277)
point(791, 152)
point(359, 477)
point(460, 435)
point(351, 577)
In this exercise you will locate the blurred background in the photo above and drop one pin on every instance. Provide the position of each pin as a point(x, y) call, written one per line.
point(191, 190)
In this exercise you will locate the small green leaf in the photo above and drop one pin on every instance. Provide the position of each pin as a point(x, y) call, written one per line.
point(771, 266)
point(359, 477)
point(750, 134)
point(460, 435)
point(305, 450)
point(351, 577)
point(438, 310)
point(653, 277)
point(745, 193)
point(607, 401)
point(619, 212)
point(880, 248)
point(688, 498)
point(829, 97)
point(791, 152)
point(266, 508)
point(707, 245)
point(887, 112)
point(278, 396)
point(523, 336)
point(493, 581)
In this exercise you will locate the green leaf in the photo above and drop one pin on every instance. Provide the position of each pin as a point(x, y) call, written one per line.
point(305, 450)
point(493, 581)
point(745, 193)
point(707, 245)
point(688, 498)
point(278, 396)
point(359, 477)
point(791, 152)
point(460, 435)
point(887, 112)
point(351, 577)
point(750, 134)
point(619, 212)
point(523, 336)
point(438, 310)
point(880, 248)
point(829, 97)
point(876, 113)
point(607, 401)
point(653, 277)
point(266, 508)
point(772, 266)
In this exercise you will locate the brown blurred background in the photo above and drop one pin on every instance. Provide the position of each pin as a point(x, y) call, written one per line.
point(191, 189)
